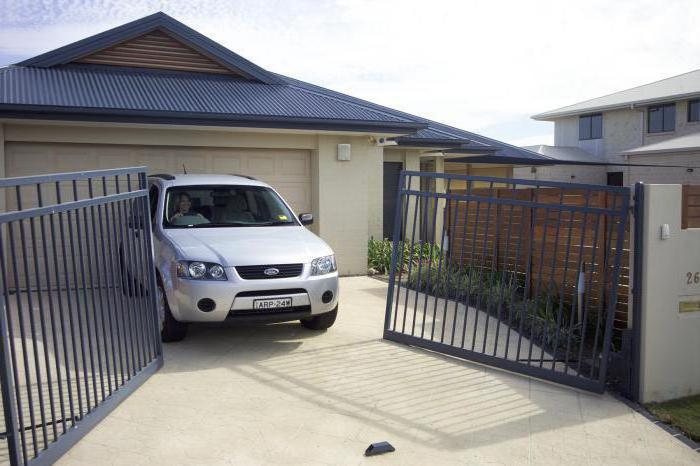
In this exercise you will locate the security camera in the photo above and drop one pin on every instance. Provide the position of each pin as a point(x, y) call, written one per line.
point(384, 142)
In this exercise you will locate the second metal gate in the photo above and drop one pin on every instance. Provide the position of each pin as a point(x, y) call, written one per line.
point(78, 319)
point(518, 274)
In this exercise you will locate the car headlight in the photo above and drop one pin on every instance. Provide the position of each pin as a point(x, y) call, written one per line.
point(196, 270)
point(323, 265)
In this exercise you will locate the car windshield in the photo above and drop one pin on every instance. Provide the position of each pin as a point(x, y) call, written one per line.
point(224, 206)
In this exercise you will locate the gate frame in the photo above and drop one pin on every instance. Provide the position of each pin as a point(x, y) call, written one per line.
point(89, 420)
point(590, 384)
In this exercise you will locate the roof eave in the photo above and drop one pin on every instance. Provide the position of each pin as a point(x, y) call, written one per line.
point(185, 118)
point(554, 115)
point(661, 151)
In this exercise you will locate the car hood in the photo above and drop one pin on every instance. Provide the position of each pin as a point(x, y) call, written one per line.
point(248, 245)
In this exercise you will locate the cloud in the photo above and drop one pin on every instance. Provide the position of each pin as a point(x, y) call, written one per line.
point(481, 65)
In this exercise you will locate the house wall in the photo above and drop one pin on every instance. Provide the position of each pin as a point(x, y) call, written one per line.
point(345, 196)
point(563, 173)
point(670, 339)
point(348, 200)
point(661, 174)
point(622, 130)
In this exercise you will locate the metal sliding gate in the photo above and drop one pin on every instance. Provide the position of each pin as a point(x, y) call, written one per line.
point(78, 322)
point(517, 274)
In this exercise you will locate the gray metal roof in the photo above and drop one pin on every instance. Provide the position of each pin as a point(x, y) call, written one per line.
point(683, 86)
point(566, 153)
point(50, 86)
point(438, 134)
point(687, 143)
point(87, 87)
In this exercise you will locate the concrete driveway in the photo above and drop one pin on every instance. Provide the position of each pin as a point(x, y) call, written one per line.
point(280, 394)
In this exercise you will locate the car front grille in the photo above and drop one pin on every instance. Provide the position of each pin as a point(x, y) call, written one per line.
point(257, 272)
point(269, 312)
point(256, 293)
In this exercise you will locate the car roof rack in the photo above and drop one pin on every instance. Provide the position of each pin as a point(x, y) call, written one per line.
point(244, 176)
point(164, 176)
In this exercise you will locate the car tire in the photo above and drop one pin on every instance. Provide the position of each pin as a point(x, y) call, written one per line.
point(170, 329)
point(321, 321)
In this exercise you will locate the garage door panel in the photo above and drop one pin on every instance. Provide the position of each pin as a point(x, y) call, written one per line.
point(223, 163)
point(262, 165)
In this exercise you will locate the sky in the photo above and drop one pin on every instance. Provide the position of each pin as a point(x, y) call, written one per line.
point(483, 66)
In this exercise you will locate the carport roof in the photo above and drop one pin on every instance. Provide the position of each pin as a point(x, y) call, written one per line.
point(54, 86)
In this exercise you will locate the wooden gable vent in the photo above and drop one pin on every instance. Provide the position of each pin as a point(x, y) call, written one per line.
point(157, 50)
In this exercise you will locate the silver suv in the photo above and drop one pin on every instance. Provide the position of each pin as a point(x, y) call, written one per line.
point(229, 247)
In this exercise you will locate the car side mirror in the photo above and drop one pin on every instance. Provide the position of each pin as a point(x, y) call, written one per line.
point(306, 219)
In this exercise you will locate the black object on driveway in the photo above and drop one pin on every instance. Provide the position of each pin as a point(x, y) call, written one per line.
point(379, 448)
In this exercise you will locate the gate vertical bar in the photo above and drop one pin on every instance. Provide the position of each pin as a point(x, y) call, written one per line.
point(395, 249)
point(7, 386)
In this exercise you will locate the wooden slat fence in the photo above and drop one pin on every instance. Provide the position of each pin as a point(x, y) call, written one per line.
point(691, 207)
point(542, 246)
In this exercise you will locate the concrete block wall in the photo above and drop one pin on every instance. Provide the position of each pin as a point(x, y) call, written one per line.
point(670, 342)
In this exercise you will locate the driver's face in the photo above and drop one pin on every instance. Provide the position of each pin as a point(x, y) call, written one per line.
point(185, 205)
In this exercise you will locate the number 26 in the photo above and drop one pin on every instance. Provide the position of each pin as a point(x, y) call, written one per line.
point(693, 278)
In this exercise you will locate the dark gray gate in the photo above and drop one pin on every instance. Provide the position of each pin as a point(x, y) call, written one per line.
point(521, 275)
point(78, 322)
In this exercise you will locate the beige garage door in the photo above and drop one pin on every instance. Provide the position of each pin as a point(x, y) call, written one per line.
point(288, 171)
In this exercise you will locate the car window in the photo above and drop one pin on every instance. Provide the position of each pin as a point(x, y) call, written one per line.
point(153, 199)
point(224, 206)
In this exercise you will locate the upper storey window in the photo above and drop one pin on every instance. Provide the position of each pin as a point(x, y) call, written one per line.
point(694, 110)
point(590, 127)
point(661, 118)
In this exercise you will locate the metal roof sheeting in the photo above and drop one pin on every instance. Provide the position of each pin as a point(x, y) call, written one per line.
point(87, 87)
point(566, 153)
point(687, 143)
point(669, 89)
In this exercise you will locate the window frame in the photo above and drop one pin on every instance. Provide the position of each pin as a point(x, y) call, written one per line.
point(688, 115)
point(166, 225)
point(153, 201)
point(662, 108)
point(591, 117)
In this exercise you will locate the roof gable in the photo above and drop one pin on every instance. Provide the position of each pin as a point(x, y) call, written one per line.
point(156, 49)
point(136, 30)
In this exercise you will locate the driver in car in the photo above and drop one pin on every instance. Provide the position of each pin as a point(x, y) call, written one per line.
point(184, 204)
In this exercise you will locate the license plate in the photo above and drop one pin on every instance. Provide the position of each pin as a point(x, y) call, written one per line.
point(273, 303)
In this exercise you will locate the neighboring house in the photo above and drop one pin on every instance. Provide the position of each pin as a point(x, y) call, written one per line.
point(155, 92)
point(653, 124)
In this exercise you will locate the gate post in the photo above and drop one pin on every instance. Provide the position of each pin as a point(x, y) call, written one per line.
point(637, 280)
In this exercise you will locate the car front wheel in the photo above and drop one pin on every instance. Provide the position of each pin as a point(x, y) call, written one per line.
point(321, 321)
point(170, 329)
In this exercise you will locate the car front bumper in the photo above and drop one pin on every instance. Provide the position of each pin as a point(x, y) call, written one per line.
point(233, 298)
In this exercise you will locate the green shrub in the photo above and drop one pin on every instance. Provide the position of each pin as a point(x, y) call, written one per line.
point(379, 254)
point(501, 293)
